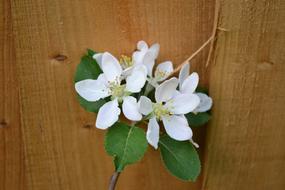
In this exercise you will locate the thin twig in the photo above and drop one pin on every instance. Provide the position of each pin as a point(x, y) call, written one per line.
point(210, 41)
point(113, 180)
point(193, 55)
point(214, 32)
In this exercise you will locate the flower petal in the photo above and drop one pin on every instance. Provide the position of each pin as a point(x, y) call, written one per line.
point(91, 90)
point(131, 109)
point(176, 93)
point(163, 70)
point(102, 79)
point(142, 45)
point(98, 58)
point(166, 90)
point(154, 49)
point(183, 103)
point(152, 134)
point(145, 105)
point(183, 74)
point(136, 80)
point(190, 83)
point(108, 114)
point(128, 71)
point(111, 67)
point(148, 61)
point(137, 57)
point(206, 103)
point(176, 127)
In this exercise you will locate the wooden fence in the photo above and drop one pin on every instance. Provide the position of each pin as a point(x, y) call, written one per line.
point(45, 139)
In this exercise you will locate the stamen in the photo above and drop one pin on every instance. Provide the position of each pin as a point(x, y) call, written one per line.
point(126, 61)
point(159, 110)
point(117, 91)
point(161, 74)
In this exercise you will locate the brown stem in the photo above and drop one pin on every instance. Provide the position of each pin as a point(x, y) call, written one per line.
point(210, 41)
point(192, 56)
point(113, 180)
point(214, 32)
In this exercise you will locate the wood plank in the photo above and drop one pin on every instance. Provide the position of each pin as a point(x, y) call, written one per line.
point(245, 141)
point(60, 153)
point(12, 166)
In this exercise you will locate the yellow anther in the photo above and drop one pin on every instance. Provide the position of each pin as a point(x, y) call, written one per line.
point(159, 110)
point(126, 61)
point(117, 90)
point(160, 74)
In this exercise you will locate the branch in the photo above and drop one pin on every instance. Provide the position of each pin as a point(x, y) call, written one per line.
point(193, 55)
point(214, 32)
point(113, 180)
point(210, 41)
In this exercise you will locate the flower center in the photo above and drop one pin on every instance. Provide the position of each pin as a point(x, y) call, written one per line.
point(160, 74)
point(126, 61)
point(159, 110)
point(117, 90)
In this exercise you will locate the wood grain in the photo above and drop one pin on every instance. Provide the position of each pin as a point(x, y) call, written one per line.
point(44, 141)
point(12, 167)
point(245, 141)
point(46, 145)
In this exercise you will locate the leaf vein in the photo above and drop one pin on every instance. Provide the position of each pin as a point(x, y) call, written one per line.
point(126, 145)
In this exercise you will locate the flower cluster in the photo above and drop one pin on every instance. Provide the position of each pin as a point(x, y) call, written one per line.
point(129, 84)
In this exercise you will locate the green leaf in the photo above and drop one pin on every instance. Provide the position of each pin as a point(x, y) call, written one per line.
point(202, 89)
point(126, 143)
point(199, 119)
point(90, 106)
point(88, 69)
point(90, 52)
point(180, 158)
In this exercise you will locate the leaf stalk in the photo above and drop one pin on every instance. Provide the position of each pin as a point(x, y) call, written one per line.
point(113, 180)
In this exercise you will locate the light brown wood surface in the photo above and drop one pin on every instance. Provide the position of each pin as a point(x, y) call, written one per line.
point(44, 139)
point(245, 140)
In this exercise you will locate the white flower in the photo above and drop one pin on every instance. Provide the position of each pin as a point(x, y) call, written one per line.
point(143, 56)
point(125, 62)
point(162, 71)
point(206, 103)
point(109, 84)
point(188, 84)
point(147, 56)
point(169, 109)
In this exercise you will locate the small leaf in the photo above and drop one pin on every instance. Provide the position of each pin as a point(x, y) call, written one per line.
point(180, 158)
point(91, 106)
point(88, 69)
point(199, 119)
point(90, 52)
point(127, 144)
point(202, 90)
